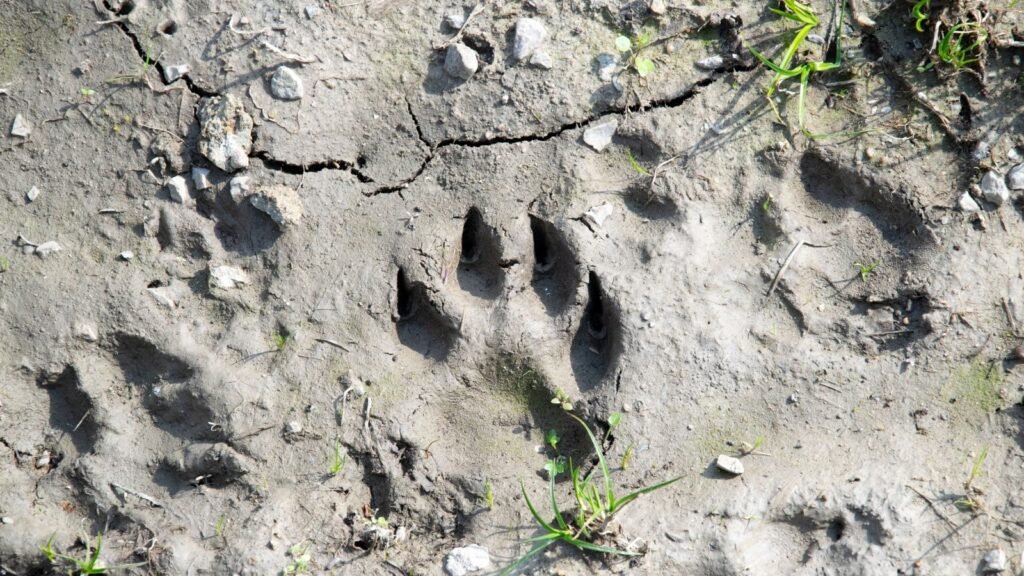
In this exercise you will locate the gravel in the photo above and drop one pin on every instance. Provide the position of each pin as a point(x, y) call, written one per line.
point(530, 33)
point(994, 189)
point(225, 136)
point(729, 464)
point(286, 84)
point(461, 61)
point(600, 135)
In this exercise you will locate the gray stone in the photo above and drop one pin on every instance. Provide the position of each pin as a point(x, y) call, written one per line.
point(285, 84)
point(281, 203)
point(461, 61)
point(658, 7)
point(606, 66)
point(164, 295)
point(541, 59)
point(227, 277)
point(293, 427)
point(467, 560)
point(225, 136)
point(994, 189)
point(312, 11)
point(993, 562)
point(711, 63)
point(21, 127)
point(530, 33)
point(599, 136)
point(175, 72)
point(178, 189)
point(47, 248)
point(966, 203)
point(201, 178)
point(33, 193)
point(126, 255)
point(729, 464)
point(816, 39)
point(1015, 177)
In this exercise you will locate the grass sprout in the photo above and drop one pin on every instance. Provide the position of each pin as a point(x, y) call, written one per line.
point(960, 44)
point(596, 504)
point(920, 13)
point(866, 269)
point(338, 460)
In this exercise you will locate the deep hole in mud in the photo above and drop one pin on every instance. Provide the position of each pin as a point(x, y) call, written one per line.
point(471, 232)
point(406, 297)
point(126, 8)
point(481, 46)
point(595, 308)
point(835, 529)
point(543, 253)
point(169, 27)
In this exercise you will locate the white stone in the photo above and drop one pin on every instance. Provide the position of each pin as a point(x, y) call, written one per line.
point(177, 187)
point(86, 331)
point(598, 214)
point(6, 520)
point(600, 135)
point(966, 203)
point(227, 277)
point(993, 562)
point(201, 178)
point(466, 560)
point(455, 20)
point(729, 464)
point(175, 72)
point(126, 255)
point(711, 63)
point(225, 132)
point(658, 7)
point(541, 59)
point(239, 188)
point(164, 295)
point(33, 193)
point(21, 127)
point(312, 11)
point(994, 189)
point(286, 84)
point(1015, 177)
point(47, 248)
point(293, 427)
point(461, 61)
point(281, 203)
point(530, 33)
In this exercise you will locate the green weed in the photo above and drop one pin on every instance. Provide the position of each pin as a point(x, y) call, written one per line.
point(551, 438)
point(489, 494)
point(299, 563)
point(279, 338)
point(562, 399)
point(89, 564)
point(338, 460)
point(636, 165)
point(5, 264)
point(970, 501)
point(919, 11)
point(633, 46)
point(803, 15)
point(596, 504)
point(866, 269)
point(627, 457)
point(959, 45)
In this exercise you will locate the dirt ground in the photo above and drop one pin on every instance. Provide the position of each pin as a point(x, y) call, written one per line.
point(289, 287)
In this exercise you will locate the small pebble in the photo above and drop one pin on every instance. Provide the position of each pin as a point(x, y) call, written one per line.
point(175, 72)
point(201, 178)
point(47, 248)
point(598, 214)
point(293, 427)
point(711, 63)
point(227, 277)
point(1015, 177)
point(541, 59)
point(606, 66)
point(281, 203)
point(599, 136)
point(994, 189)
point(239, 188)
point(126, 255)
point(461, 61)
point(285, 84)
point(467, 560)
point(312, 11)
point(658, 7)
point(178, 189)
point(816, 39)
point(86, 331)
point(530, 33)
point(33, 193)
point(966, 203)
point(21, 127)
point(729, 464)
point(44, 460)
point(6, 520)
point(455, 20)
point(993, 562)
point(225, 132)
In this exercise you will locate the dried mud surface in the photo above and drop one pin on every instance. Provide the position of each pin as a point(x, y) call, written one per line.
point(444, 281)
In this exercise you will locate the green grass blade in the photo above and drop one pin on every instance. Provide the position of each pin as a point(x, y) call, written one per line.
point(554, 503)
point(543, 523)
point(584, 545)
point(599, 450)
point(526, 557)
point(636, 494)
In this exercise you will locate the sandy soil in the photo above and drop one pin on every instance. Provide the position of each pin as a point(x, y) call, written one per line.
point(247, 330)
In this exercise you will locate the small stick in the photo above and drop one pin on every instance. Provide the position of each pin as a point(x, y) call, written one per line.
point(289, 56)
point(785, 265)
point(933, 507)
point(110, 211)
point(82, 419)
point(344, 403)
point(829, 386)
point(332, 343)
point(458, 35)
point(888, 333)
point(153, 501)
point(366, 415)
point(1009, 317)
